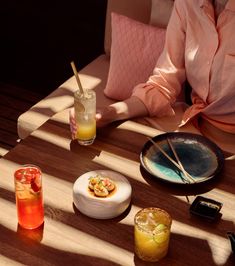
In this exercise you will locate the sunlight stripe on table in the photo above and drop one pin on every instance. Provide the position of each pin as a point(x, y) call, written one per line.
point(9, 262)
point(52, 135)
point(120, 164)
point(140, 128)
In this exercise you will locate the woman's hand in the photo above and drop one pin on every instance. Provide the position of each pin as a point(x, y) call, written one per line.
point(132, 107)
point(104, 117)
point(72, 122)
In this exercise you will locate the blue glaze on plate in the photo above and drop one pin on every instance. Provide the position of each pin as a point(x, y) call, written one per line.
point(200, 157)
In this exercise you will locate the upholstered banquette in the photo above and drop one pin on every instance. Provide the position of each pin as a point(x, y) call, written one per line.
point(140, 19)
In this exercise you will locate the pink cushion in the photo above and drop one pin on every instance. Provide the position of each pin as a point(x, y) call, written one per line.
point(134, 52)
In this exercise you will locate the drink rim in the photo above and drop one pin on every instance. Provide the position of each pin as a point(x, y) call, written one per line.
point(148, 209)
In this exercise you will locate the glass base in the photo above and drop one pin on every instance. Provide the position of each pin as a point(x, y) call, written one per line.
point(30, 226)
point(153, 258)
point(86, 142)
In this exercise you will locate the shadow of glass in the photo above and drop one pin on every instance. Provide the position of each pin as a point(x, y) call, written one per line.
point(35, 235)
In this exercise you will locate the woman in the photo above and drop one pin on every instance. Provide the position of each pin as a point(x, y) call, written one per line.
point(200, 47)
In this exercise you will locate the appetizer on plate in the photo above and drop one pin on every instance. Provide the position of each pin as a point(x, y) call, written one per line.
point(102, 186)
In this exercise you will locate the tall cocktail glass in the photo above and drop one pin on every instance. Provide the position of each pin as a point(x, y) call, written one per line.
point(29, 200)
point(152, 233)
point(85, 111)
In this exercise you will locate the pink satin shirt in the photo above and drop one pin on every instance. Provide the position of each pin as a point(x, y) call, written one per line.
point(203, 50)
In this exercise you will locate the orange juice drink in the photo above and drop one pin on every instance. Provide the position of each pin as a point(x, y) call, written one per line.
point(152, 234)
point(86, 130)
point(85, 111)
point(29, 201)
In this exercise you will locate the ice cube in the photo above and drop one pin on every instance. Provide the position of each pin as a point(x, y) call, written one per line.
point(142, 219)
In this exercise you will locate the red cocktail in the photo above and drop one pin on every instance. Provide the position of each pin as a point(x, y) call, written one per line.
point(29, 201)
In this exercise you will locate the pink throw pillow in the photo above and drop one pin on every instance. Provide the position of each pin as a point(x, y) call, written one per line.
point(135, 50)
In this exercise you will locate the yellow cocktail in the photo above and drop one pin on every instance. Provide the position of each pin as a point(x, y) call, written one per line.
point(86, 130)
point(152, 233)
point(85, 111)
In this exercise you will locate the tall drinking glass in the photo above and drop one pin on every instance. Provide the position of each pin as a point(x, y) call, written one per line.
point(29, 200)
point(85, 111)
point(152, 233)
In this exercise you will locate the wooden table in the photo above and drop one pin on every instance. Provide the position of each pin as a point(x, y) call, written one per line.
point(70, 238)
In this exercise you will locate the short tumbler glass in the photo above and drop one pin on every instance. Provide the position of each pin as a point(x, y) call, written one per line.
point(85, 111)
point(29, 199)
point(152, 233)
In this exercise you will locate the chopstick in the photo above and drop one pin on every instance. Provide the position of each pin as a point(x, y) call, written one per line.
point(186, 174)
point(232, 157)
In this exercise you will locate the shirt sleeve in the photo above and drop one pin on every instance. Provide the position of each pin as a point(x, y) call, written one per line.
point(162, 88)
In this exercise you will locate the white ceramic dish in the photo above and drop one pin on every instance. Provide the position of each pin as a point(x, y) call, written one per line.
point(98, 207)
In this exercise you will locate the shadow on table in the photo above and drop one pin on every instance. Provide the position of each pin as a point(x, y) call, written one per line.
point(30, 252)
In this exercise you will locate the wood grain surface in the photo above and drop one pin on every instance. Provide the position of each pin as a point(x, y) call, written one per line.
point(70, 238)
point(14, 100)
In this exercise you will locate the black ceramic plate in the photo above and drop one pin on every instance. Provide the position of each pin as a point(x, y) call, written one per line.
point(200, 157)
